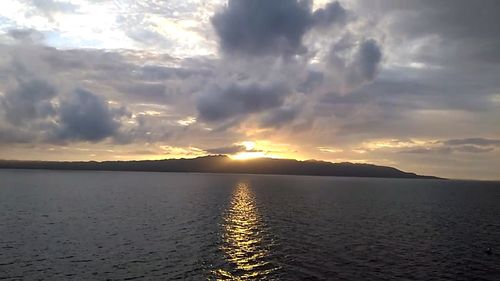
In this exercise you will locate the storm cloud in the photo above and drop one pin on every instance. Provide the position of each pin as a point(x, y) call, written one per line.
point(85, 116)
point(354, 64)
point(263, 27)
point(332, 13)
point(223, 102)
point(29, 99)
point(367, 61)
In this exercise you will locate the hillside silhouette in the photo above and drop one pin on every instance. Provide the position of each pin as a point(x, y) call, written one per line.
point(224, 164)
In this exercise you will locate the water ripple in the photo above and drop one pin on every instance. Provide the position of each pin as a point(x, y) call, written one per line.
point(244, 236)
point(152, 226)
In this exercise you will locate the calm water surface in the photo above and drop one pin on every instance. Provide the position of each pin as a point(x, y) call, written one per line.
point(167, 226)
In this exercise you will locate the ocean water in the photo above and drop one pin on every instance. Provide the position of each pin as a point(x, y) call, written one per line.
point(167, 226)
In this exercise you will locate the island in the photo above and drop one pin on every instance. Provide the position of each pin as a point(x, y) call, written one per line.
point(224, 164)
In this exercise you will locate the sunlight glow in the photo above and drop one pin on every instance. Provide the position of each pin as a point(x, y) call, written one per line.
point(244, 236)
point(265, 149)
point(395, 143)
point(249, 145)
point(330, 149)
point(188, 121)
point(248, 155)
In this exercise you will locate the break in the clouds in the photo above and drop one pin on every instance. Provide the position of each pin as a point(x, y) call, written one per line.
point(413, 84)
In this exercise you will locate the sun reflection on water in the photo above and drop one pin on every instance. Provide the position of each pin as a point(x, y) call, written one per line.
point(243, 239)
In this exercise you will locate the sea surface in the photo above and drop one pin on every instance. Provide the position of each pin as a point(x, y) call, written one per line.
point(81, 225)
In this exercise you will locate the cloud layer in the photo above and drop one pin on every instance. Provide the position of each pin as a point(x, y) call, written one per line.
point(176, 78)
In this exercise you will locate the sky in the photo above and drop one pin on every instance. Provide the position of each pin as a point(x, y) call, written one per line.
point(409, 84)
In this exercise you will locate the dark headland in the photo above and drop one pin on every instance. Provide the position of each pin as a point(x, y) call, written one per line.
point(224, 164)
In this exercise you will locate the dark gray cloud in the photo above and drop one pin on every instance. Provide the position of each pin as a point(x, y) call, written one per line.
point(15, 135)
point(262, 27)
point(447, 38)
point(29, 99)
point(450, 18)
point(280, 117)
point(430, 89)
point(366, 63)
point(220, 103)
point(464, 30)
point(332, 13)
point(352, 62)
point(85, 116)
point(401, 102)
point(369, 57)
point(312, 80)
point(36, 81)
point(26, 35)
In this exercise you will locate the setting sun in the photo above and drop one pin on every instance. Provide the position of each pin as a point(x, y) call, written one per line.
point(248, 155)
point(249, 145)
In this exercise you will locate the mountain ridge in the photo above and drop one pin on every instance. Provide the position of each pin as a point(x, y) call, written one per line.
point(224, 164)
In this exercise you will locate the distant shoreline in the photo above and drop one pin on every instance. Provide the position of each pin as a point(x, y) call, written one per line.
point(224, 173)
point(219, 164)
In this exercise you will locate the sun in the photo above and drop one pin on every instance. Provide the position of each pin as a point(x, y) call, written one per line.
point(248, 155)
point(259, 149)
point(249, 145)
